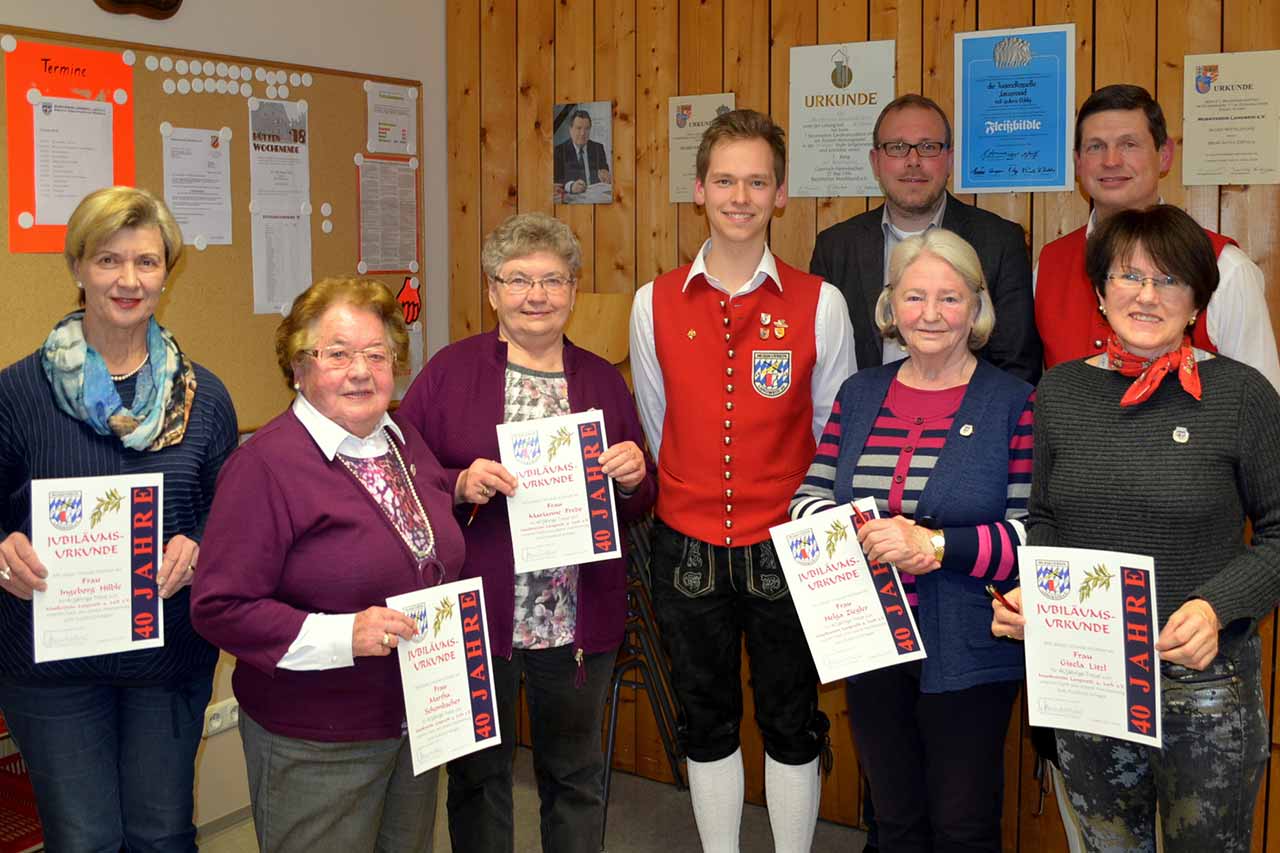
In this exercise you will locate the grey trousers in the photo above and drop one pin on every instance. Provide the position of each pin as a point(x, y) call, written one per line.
point(355, 797)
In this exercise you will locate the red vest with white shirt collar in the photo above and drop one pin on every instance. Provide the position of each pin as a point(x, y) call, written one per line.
point(737, 374)
point(1067, 315)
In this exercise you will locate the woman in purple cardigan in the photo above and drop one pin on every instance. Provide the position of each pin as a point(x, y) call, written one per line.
point(560, 628)
point(324, 513)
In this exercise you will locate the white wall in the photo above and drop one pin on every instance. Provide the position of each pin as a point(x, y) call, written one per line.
point(397, 38)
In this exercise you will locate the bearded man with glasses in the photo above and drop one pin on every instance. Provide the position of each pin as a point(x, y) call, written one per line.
point(911, 157)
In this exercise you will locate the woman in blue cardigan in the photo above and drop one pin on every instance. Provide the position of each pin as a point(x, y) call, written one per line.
point(942, 441)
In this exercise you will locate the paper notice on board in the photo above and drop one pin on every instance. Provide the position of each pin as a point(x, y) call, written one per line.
point(388, 215)
point(393, 118)
point(197, 183)
point(73, 154)
point(281, 260)
point(279, 159)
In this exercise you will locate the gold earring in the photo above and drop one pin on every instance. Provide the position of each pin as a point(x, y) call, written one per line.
point(1103, 309)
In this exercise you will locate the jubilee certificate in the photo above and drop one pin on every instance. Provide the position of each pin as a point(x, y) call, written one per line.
point(449, 706)
point(854, 614)
point(102, 540)
point(1090, 641)
point(563, 512)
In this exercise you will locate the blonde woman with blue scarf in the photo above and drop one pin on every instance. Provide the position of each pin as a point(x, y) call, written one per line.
point(111, 740)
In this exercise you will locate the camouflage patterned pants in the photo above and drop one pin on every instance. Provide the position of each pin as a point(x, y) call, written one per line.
point(1205, 779)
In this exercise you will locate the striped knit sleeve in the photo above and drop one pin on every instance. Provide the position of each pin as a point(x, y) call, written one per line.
point(989, 551)
point(817, 492)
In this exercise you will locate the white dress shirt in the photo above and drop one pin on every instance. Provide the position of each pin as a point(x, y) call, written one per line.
point(833, 339)
point(324, 642)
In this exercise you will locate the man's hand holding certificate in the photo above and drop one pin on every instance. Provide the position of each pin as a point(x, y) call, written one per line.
point(1090, 637)
point(563, 511)
point(854, 615)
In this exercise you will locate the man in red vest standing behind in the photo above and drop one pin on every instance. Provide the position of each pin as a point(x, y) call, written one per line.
point(1122, 149)
point(736, 359)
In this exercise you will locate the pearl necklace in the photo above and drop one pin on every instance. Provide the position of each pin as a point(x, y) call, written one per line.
point(120, 377)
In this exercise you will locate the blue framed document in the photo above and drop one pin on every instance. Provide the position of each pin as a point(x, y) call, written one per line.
point(1015, 99)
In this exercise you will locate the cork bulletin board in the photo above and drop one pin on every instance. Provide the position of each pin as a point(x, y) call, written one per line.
point(209, 301)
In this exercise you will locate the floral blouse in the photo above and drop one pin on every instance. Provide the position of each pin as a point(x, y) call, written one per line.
point(546, 601)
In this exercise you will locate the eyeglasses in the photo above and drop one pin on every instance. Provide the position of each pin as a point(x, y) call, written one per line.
point(898, 150)
point(1134, 281)
point(519, 284)
point(338, 357)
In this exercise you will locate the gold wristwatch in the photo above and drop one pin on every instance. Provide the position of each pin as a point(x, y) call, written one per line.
point(939, 543)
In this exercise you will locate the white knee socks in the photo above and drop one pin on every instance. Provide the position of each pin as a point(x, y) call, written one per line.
point(718, 789)
point(792, 791)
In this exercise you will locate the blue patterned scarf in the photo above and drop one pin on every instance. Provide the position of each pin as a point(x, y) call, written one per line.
point(83, 387)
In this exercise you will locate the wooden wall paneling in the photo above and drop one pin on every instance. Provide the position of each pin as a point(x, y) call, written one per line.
point(499, 172)
point(463, 81)
point(616, 80)
point(575, 82)
point(1252, 214)
point(657, 68)
point(794, 228)
point(943, 19)
point(701, 40)
point(839, 22)
point(535, 61)
point(902, 21)
point(1185, 27)
point(657, 25)
point(1125, 50)
point(746, 51)
point(995, 15)
point(1056, 214)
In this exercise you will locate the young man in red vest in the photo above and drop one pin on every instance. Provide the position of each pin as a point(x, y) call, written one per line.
point(736, 359)
point(1122, 149)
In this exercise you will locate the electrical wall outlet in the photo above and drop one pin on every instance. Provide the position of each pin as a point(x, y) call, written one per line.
point(221, 716)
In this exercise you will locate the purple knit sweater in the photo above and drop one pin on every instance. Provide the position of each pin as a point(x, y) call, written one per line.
point(291, 533)
point(456, 403)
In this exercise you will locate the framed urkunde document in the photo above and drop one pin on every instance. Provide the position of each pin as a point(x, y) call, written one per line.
point(1231, 118)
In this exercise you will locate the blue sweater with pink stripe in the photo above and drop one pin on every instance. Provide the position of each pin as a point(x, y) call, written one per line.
point(959, 461)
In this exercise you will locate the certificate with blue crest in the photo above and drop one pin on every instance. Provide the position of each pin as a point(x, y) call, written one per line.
point(445, 670)
point(1091, 631)
point(1014, 110)
point(563, 512)
point(101, 540)
point(854, 613)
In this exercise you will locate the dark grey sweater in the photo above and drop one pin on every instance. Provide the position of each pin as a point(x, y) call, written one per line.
point(1116, 479)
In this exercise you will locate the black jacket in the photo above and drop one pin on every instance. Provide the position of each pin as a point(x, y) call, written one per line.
point(850, 255)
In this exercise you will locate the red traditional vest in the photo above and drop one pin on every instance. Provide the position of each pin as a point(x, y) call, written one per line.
point(737, 371)
point(1067, 315)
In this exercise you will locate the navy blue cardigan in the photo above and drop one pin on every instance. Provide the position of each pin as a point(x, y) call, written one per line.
point(968, 486)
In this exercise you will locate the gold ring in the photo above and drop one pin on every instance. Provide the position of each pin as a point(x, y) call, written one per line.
point(6, 573)
point(386, 639)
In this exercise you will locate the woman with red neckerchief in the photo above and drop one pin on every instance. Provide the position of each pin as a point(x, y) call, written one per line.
point(1159, 448)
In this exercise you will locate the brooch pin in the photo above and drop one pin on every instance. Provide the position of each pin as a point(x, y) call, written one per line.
point(765, 319)
point(780, 329)
point(1181, 435)
point(692, 334)
point(966, 430)
point(764, 334)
